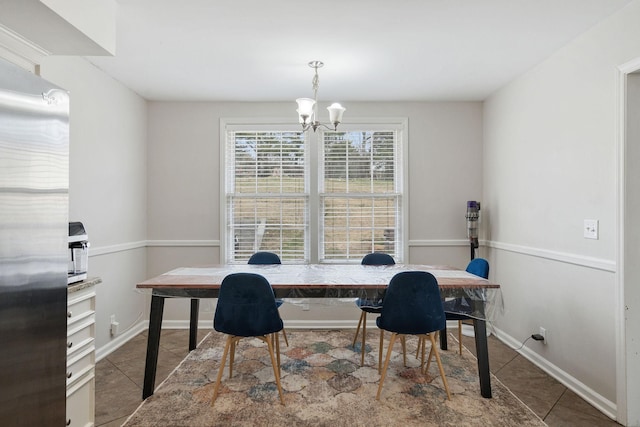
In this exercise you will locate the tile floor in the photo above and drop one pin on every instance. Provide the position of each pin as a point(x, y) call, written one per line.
point(119, 381)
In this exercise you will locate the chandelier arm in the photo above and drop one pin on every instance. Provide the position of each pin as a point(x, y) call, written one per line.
point(316, 124)
point(327, 127)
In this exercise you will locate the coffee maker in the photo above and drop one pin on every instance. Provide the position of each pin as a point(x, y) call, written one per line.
point(78, 258)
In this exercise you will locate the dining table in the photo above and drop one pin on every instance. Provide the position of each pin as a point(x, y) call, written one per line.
point(296, 282)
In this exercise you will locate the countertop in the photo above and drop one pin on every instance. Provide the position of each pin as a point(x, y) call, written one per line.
point(78, 286)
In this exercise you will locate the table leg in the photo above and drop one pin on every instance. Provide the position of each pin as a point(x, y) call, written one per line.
point(193, 323)
point(153, 345)
point(443, 338)
point(482, 352)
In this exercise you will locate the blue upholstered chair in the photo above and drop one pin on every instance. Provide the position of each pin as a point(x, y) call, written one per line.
point(412, 306)
point(479, 267)
point(370, 305)
point(455, 308)
point(247, 308)
point(266, 258)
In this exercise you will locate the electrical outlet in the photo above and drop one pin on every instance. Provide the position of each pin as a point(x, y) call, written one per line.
point(112, 318)
point(543, 332)
point(591, 229)
point(305, 307)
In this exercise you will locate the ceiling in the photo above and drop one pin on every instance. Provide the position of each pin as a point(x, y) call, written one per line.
point(400, 50)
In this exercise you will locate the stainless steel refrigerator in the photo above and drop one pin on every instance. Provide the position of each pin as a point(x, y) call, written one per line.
point(34, 182)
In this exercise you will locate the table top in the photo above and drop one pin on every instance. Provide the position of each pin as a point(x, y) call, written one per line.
point(313, 276)
point(318, 282)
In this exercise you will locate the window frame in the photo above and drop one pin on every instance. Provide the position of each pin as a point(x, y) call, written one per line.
point(313, 177)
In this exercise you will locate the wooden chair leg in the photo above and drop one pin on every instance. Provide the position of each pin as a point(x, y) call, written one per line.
point(355, 338)
point(221, 368)
point(364, 337)
point(440, 367)
point(403, 340)
point(276, 338)
point(276, 369)
point(232, 357)
point(284, 333)
point(420, 342)
point(460, 336)
point(386, 364)
point(230, 346)
point(424, 371)
point(380, 350)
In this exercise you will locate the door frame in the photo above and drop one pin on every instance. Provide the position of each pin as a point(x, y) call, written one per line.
point(626, 388)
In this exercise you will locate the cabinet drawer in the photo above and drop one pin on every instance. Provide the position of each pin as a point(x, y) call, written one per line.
point(80, 335)
point(80, 402)
point(81, 363)
point(80, 306)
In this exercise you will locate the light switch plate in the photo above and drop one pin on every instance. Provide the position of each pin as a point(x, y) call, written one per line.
point(591, 229)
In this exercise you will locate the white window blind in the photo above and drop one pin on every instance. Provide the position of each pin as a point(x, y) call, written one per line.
point(267, 195)
point(360, 195)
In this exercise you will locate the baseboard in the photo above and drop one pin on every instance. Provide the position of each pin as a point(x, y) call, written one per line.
point(121, 340)
point(604, 405)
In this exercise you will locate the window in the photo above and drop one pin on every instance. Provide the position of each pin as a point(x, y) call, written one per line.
point(267, 195)
point(360, 194)
point(355, 205)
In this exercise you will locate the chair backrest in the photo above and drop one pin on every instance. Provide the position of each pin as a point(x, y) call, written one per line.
point(412, 304)
point(246, 306)
point(264, 258)
point(377, 258)
point(479, 267)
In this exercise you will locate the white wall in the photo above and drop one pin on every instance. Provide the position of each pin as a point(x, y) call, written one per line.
point(108, 185)
point(445, 169)
point(550, 162)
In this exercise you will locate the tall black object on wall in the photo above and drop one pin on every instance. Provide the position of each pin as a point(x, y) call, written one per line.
point(472, 215)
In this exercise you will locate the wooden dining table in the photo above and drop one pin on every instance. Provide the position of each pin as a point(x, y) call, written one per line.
point(311, 281)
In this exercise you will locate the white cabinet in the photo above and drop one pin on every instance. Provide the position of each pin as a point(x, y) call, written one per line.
point(81, 359)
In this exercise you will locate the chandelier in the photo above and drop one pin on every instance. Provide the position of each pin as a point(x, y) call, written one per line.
point(308, 108)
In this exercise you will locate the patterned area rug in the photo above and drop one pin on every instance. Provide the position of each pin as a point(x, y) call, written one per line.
point(324, 385)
